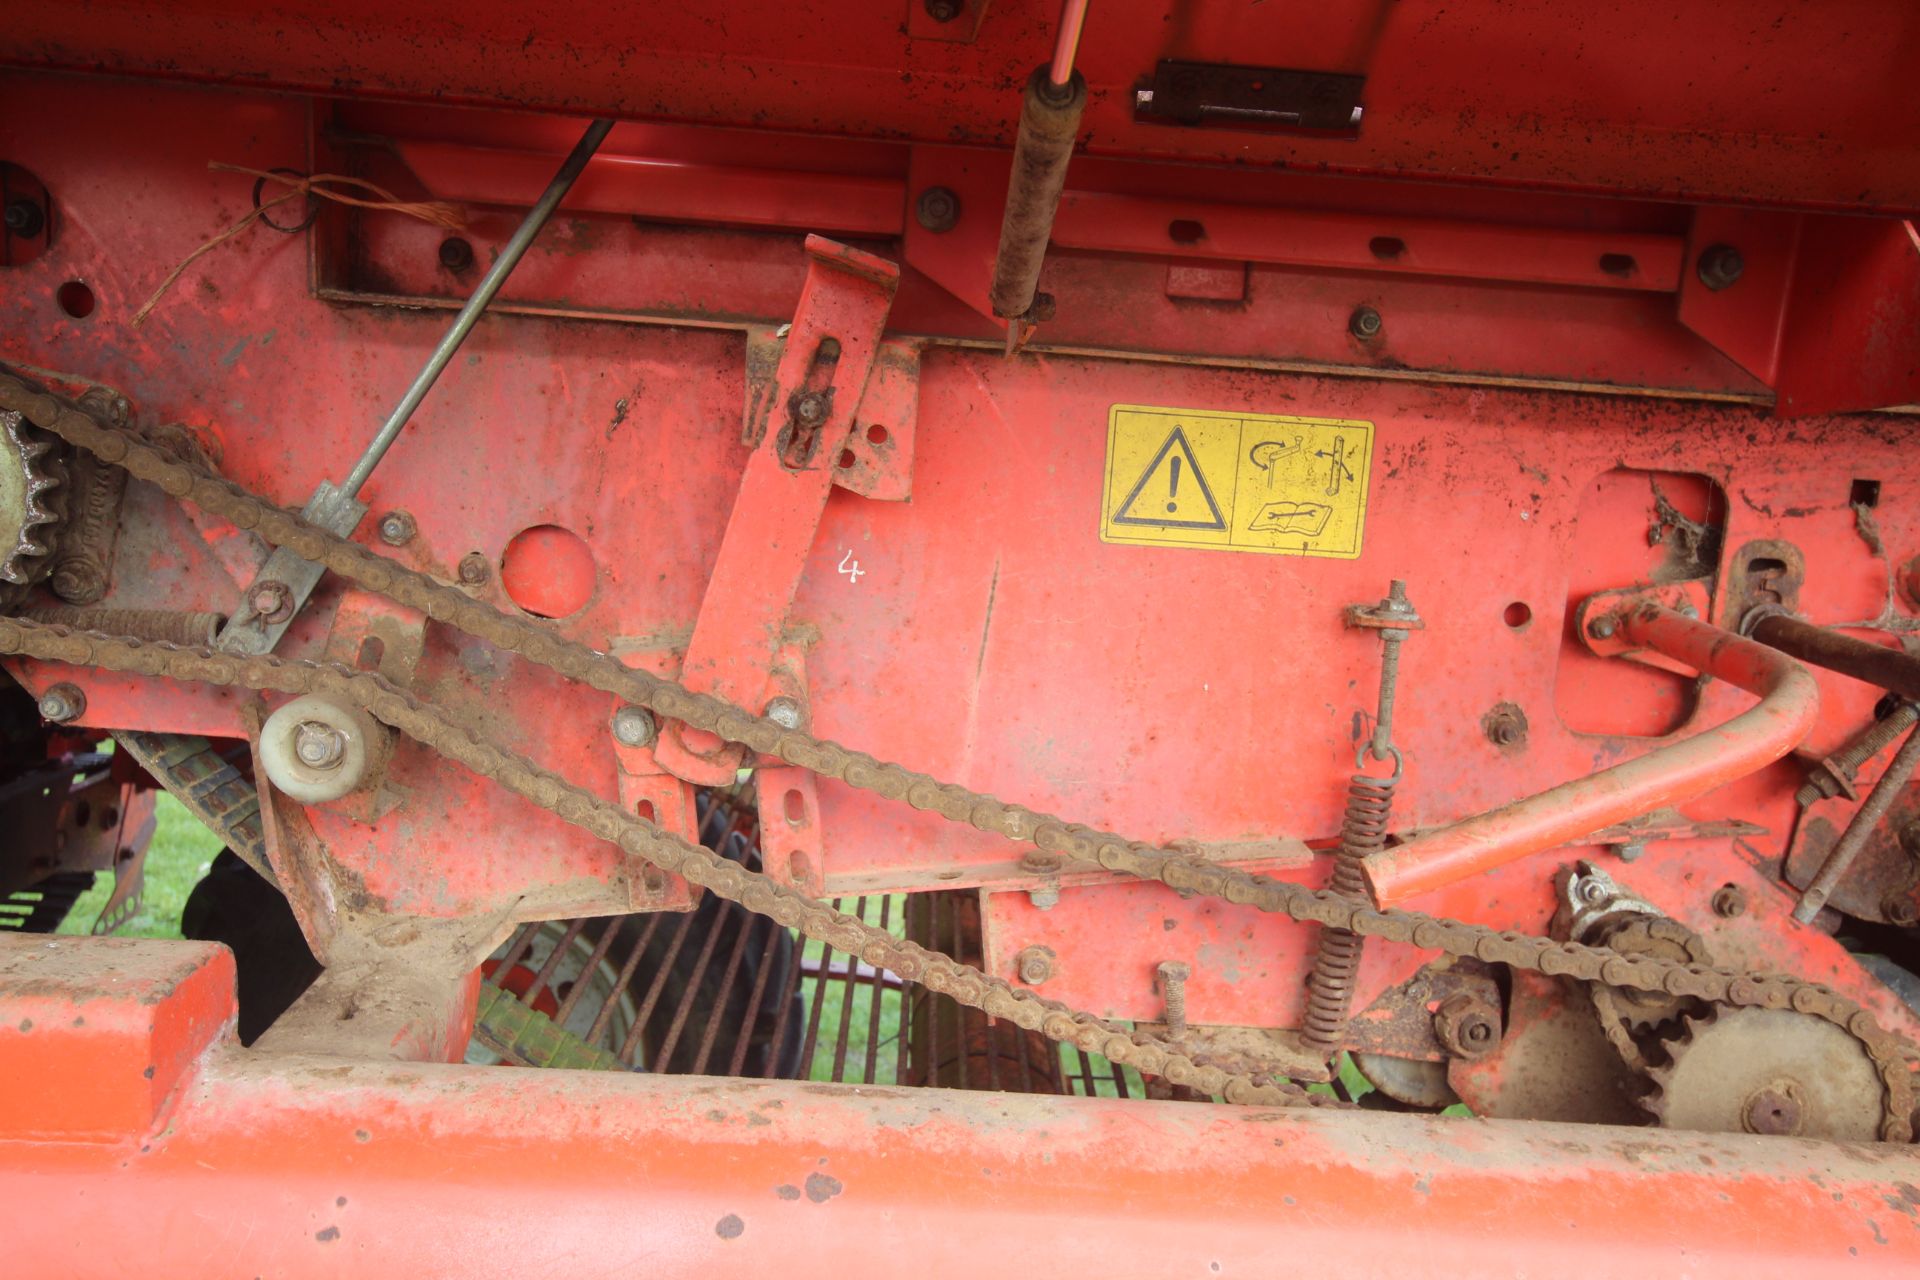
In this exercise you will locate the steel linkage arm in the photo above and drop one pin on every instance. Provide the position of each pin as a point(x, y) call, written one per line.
point(1789, 702)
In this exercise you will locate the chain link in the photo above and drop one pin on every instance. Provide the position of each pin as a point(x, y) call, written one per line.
point(1183, 872)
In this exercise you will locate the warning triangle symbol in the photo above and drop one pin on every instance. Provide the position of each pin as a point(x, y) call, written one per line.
point(1172, 493)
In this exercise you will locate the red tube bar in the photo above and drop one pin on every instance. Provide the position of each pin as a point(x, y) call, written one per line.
point(1757, 737)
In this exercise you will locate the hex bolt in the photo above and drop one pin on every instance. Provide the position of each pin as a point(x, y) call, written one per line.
point(455, 254)
point(634, 727)
point(786, 712)
point(1602, 627)
point(938, 209)
point(1728, 901)
point(943, 10)
point(397, 528)
point(1720, 266)
point(1466, 1026)
point(1364, 323)
point(1173, 987)
point(63, 703)
point(1505, 725)
point(474, 569)
point(1034, 965)
point(319, 745)
point(271, 601)
point(1899, 908)
point(25, 218)
point(1591, 892)
point(811, 409)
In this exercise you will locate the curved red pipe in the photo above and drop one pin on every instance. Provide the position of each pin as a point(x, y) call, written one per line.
point(1789, 702)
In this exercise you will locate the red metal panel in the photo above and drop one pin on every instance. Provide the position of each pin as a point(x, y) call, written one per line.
point(295, 1166)
point(1772, 102)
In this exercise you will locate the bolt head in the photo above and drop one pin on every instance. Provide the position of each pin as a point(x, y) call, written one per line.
point(1720, 266)
point(786, 712)
point(271, 601)
point(1365, 323)
point(319, 745)
point(25, 218)
point(1729, 901)
point(1034, 965)
point(63, 703)
point(474, 569)
point(938, 209)
point(943, 10)
point(1603, 627)
point(1899, 908)
point(397, 528)
point(1173, 971)
point(633, 727)
point(810, 410)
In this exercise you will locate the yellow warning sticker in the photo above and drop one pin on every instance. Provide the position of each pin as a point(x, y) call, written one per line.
point(1236, 481)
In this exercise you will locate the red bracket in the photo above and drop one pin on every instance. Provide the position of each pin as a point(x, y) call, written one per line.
point(803, 422)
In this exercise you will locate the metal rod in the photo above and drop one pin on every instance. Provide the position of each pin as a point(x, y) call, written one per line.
point(463, 323)
point(1865, 820)
point(1066, 43)
point(1893, 669)
point(1789, 703)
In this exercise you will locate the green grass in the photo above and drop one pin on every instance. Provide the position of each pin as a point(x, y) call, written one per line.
point(181, 852)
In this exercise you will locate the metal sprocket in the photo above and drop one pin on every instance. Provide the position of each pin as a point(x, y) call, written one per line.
point(30, 477)
point(1767, 1071)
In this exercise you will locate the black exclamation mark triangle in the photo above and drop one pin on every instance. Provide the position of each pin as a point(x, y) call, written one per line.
point(1160, 506)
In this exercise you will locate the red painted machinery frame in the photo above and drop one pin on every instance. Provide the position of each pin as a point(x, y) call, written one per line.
point(1554, 378)
point(188, 1153)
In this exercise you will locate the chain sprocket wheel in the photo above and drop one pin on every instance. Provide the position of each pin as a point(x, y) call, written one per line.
point(1629, 1016)
point(1768, 1071)
point(30, 480)
point(1184, 872)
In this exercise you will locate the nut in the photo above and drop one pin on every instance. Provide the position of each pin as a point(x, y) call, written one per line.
point(1728, 901)
point(397, 528)
point(634, 727)
point(271, 601)
point(1034, 965)
point(1720, 266)
point(1037, 862)
point(474, 569)
point(1505, 725)
point(1467, 1026)
point(786, 712)
point(319, 745)
point(63, 702)
point(1602, 627)
point(1364, 323)
point(938, 209)
point(25, 217)
point(811, 409)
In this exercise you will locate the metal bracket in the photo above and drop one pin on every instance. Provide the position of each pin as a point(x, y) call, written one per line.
point(804, 422)
point(273, 599)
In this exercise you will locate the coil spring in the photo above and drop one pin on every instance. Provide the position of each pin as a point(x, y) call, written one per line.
point(1336, 959)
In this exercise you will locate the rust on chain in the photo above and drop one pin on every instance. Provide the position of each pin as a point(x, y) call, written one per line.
point(1184, 872)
